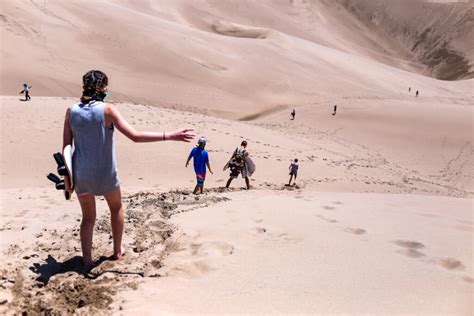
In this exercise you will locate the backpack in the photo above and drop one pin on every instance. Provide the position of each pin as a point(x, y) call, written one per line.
point(239, 156)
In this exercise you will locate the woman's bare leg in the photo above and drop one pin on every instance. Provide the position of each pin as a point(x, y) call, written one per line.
point(87, 202)
point(117, 218)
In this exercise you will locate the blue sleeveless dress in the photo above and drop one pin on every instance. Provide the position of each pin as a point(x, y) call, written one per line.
point(94, 163)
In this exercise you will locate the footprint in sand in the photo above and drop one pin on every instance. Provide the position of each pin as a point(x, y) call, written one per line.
point(337, 203)
point(329, 220)
point(413, 253)
point(412, 247)
point(260, 230)
point(329, 208)
point(211, 248)
point(356, 231)
point(451, 264)
point(409, 244)
point(191, 270)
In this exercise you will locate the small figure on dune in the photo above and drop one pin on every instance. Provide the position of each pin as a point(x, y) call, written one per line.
point(293, 171)
point(240, 163)
point(409, 89)
point(293, 113)
point(26, 91)
point(200, 158)
point(335, 109)
point(91, 123)
point(417, 93)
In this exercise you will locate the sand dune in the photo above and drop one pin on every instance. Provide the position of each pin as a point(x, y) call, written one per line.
point(434, 35)
point(282, 257)
point(381, 218)
point(316, 49)
point(178, 244)
point(395, 153)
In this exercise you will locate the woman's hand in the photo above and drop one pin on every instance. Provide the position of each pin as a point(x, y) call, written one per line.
point(181, 135)
point(67, 185)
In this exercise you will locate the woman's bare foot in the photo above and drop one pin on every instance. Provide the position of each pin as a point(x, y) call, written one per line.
point(118, 255)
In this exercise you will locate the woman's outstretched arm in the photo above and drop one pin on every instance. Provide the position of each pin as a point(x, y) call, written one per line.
point(113, 116)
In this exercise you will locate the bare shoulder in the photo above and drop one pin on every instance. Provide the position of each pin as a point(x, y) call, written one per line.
point(112, 114)
point(110, 110)
point(68, 110)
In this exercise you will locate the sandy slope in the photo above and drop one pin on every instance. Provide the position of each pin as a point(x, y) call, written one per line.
point(228, 58)
point(381, 220)
point(276, 249)
point(317, 253)
point(421, 150)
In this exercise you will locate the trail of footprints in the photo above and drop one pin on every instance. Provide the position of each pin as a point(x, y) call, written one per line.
point(399, 179)
point(408, 248)
point(45, 280)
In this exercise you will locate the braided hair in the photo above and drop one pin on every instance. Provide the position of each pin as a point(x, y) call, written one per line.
point(93, 83)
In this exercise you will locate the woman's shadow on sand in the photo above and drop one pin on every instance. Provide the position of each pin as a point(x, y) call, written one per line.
point(52, 267)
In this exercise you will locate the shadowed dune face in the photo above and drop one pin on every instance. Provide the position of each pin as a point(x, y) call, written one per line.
point(436, 35)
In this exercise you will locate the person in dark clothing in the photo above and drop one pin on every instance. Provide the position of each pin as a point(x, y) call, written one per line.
point(417, 93)
point(26, 91)
point(293, 113)
point(237, 165)
point(335, 109)
point(293, 170)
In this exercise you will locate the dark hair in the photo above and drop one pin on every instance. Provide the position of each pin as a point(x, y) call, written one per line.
point(93, 83)
point(244, 143)
point(296, 159)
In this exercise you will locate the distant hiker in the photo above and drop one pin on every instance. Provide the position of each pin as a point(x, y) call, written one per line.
point(240, 162)
point(293, 114)
point(293, 170)
point(417, 93)
point(335, 109)
point(26, 91)
point(90, 124)
point(201, 160)
point(409, 89)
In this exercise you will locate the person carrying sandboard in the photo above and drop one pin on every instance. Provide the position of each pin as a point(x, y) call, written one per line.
point(90, 124)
